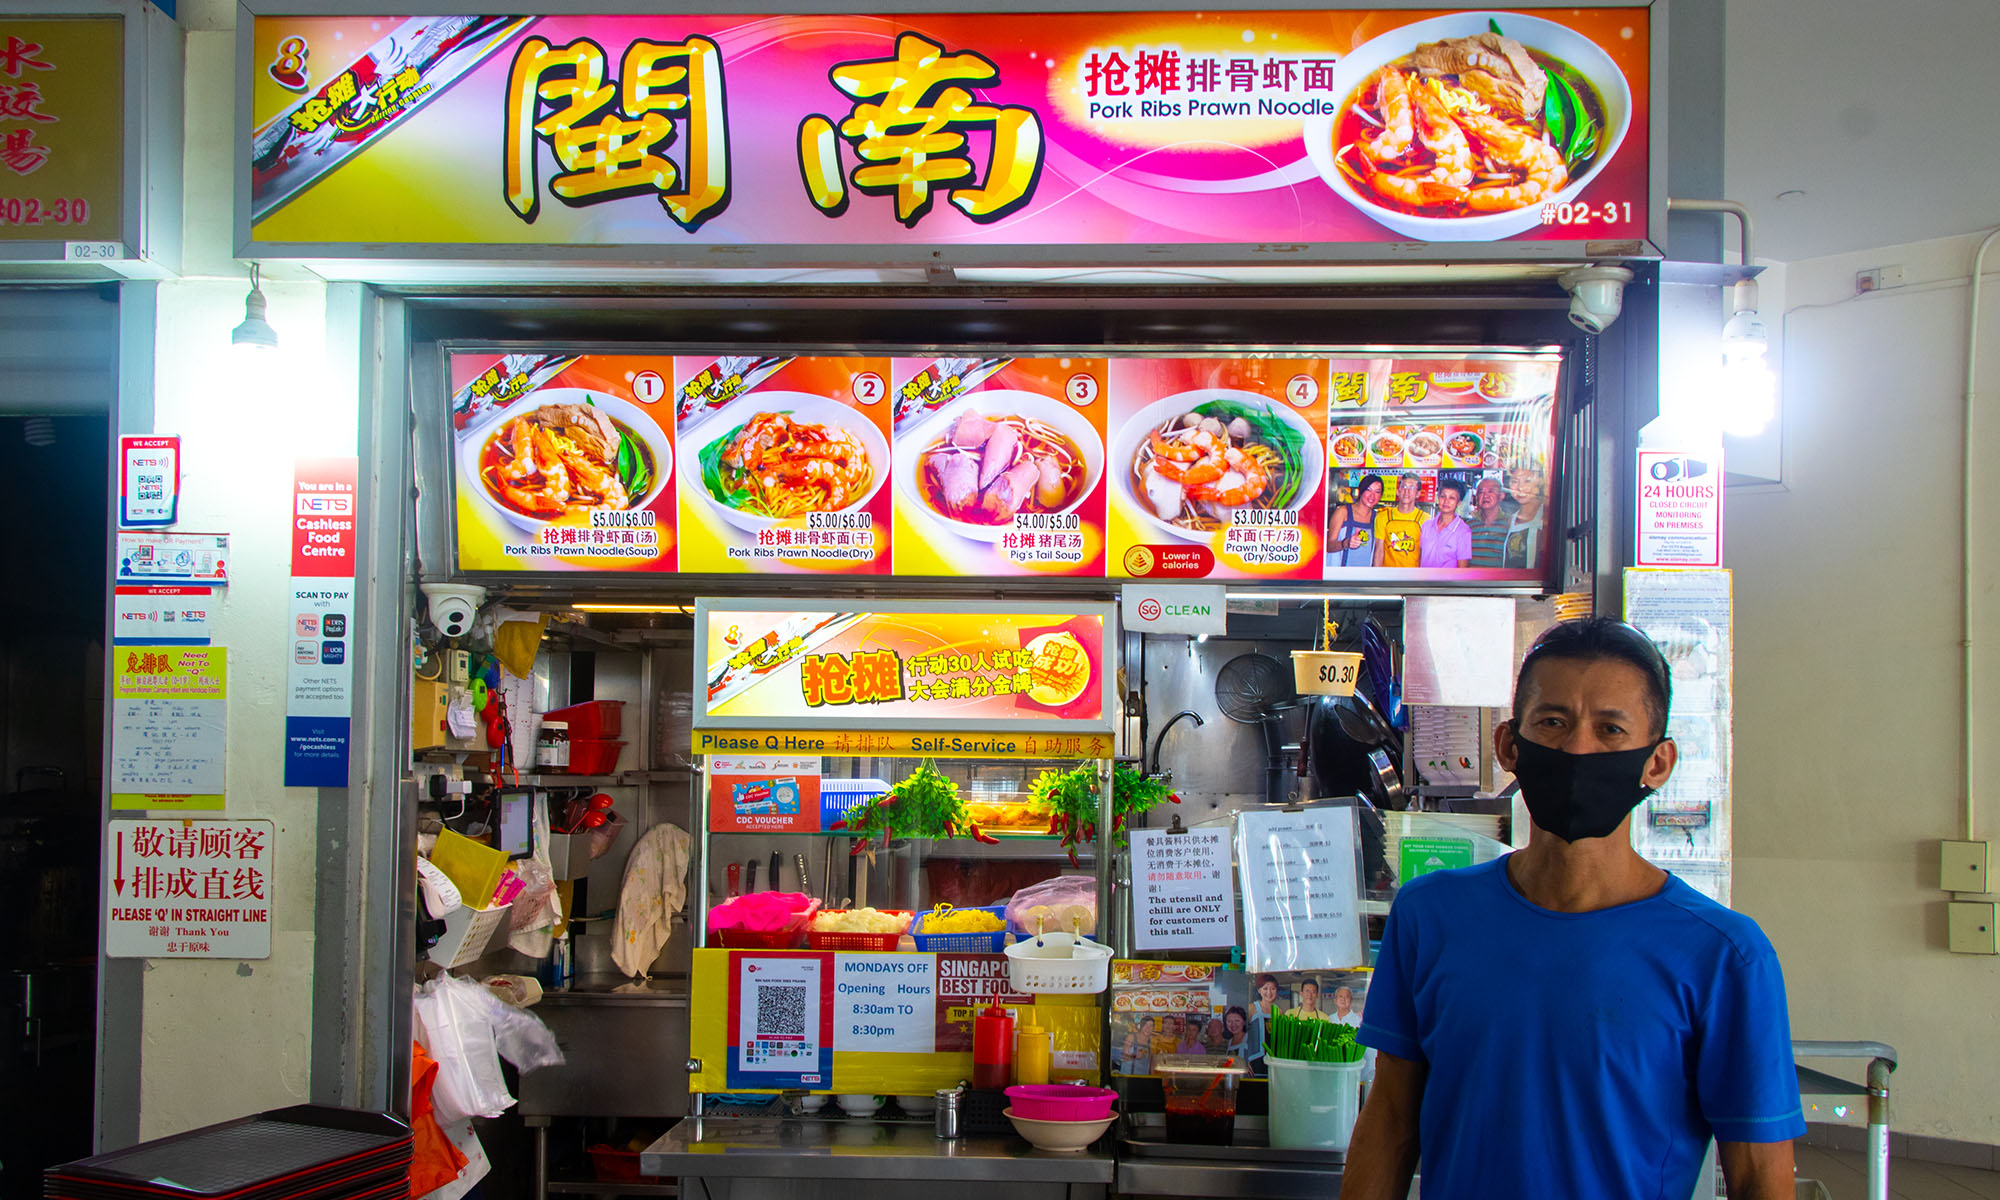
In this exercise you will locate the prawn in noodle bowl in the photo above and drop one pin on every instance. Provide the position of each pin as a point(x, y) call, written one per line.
point(1469, 126)
point(1196, 469)
point(776, 466)
point(562, 459)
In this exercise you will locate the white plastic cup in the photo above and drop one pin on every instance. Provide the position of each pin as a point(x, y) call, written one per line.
point(1313, 1105)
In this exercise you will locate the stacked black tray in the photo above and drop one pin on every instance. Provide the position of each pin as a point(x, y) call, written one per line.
point(308, 1152)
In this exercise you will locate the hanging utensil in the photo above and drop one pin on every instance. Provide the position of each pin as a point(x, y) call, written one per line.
point(750, 876)
point(777, 865)
point(805, 881)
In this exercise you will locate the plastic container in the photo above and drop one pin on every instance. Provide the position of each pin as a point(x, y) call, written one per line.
point(474, 868)
point(1060, 1101)
point(593, 720)
point(962, 943)
point(593, 757)
point(1201, 1096)
point(883, 942)
point(992, 1048)
point(1034, 1051)
point(1325, 672)
point(1313, 1105)
point(1060, 965)
point(552, 747)
point(467, 934)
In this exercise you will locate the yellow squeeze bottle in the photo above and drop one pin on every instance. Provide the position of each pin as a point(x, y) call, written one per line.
point(1034, 1049)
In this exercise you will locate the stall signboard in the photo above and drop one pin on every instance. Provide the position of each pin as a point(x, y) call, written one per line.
point(901, 743)
point(1420, 466)
point(903, 133)
point(764, 793)
point(62, 99)
point(1039, 668)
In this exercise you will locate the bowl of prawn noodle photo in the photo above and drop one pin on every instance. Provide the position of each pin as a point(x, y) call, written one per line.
point(1185, 465)
point(770, 457)
point(560, 453)
point(1460, 128)
point(984, 459)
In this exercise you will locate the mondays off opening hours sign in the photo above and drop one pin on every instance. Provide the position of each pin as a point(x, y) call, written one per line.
point(958, 130)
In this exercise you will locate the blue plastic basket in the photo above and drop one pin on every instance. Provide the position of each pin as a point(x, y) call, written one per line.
point(961, 943)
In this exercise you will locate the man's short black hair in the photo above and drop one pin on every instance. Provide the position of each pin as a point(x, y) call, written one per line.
point(1599, 638)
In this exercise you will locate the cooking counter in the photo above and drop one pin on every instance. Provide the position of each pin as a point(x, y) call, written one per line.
point(745, 1157)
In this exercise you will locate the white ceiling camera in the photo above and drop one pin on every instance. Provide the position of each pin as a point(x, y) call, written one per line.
point(453, 606)
point(1596, 295)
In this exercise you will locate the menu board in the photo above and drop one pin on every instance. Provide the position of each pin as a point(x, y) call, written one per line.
point(1426, 466)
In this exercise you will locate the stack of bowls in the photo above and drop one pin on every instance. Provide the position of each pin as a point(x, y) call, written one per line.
point(1060, 1117)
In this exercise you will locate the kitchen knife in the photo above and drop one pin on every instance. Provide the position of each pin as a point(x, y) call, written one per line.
point(777, 865)
point(750, 876)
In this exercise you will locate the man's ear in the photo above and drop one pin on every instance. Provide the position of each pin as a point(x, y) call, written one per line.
point(1661, 765)
point(1503, 745)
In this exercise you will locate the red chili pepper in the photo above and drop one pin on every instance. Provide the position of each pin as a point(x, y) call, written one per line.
point(980, 835)
point(1174, 797)
point(1055, 823)
point(840, 825)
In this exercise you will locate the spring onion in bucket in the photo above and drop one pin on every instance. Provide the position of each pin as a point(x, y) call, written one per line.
point(1303, 1039)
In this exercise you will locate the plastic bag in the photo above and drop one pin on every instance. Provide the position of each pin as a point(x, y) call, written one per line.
point(1050, 901)
point(470, 1030)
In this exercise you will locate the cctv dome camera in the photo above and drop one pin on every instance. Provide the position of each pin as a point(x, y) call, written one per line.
point(1596, 296)
point(454, 606)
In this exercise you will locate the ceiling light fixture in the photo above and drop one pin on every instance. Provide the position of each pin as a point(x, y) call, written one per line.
point(255, 331)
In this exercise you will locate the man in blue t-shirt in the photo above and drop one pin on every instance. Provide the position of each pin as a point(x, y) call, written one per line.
point(1641, 1018)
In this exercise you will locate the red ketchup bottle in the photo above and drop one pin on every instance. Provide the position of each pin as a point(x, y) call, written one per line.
point(992, 1049)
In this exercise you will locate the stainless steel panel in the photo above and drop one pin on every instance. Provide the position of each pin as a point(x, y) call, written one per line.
point(1218, 766)
point(768, 1148)
point(625, 1055)
point(1179, 1177)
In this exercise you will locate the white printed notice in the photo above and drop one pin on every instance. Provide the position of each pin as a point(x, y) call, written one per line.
point(885, 1003)
point(1301, 894)
point(1679, 518)
point(1186, 899)
point(188, 889)
point(169, 726)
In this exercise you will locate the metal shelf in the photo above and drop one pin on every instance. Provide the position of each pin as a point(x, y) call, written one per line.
point(598, 1187)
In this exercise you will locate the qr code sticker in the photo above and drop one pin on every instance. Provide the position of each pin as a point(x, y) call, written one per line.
point(781, 1011)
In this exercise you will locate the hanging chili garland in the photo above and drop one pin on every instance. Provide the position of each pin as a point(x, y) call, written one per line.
point(1070, 799)
point(924, 804)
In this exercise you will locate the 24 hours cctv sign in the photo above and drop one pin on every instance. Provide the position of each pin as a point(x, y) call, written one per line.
point(189, 889)
point(1680, 509)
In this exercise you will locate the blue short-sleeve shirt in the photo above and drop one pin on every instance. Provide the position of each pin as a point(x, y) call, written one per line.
point(1580, 1054)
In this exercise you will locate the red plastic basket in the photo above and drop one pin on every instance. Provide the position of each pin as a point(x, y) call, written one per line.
point(816, 940)
point(612, 1165)
point(787, 938)
point(593, 758)
point(593, 720)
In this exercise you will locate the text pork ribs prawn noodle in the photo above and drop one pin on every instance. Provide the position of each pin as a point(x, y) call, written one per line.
point(987, 469)
point(561, 459)
point(1196, 469)
point(1469, 125)
point(776, 466)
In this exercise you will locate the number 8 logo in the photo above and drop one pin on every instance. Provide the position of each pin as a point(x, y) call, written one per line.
point(288, 70)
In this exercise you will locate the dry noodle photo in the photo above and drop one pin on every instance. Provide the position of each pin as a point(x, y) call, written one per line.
point(775, 466)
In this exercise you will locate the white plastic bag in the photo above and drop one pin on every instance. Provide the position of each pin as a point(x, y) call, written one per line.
point(470, 1029)
point(1050, 901)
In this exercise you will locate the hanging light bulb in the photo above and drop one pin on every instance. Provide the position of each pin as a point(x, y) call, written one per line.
point(255, 331)
point(1749, 390)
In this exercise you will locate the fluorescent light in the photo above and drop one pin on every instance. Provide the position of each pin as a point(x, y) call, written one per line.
point(681, 609)
point(1236, 595)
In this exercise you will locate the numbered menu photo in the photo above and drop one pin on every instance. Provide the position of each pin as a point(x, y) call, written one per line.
point(1218, 468)
point(1439, 466)
point(787, 464)
point(1000, 466)
point(563, 462)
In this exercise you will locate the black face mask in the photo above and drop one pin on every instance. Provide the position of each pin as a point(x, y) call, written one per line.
point(1580, 795)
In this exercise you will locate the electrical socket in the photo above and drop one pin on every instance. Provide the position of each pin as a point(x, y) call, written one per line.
point(1875, 279)
point(1965, 867)
point(458, 667)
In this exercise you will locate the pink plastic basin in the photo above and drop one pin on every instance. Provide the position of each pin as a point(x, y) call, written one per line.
point(1060, 1102)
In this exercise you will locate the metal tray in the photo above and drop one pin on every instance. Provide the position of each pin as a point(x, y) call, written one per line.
point(1252, 1147)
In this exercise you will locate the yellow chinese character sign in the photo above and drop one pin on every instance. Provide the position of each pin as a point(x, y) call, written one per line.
point(822, 130)
point(61, 116)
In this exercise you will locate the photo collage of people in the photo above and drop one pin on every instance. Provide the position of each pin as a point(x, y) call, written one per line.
point(1160, 1008)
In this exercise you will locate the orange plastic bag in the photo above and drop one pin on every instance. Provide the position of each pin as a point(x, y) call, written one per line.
point(436, 1161)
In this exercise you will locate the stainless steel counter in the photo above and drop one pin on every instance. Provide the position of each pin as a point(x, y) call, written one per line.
point(770, 1157)
point(1198, 1177)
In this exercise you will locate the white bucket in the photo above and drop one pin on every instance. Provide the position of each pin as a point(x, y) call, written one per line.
point(1325, 672)
point(1313, 1105)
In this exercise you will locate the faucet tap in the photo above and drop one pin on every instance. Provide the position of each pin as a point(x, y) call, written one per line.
point(1162, 736)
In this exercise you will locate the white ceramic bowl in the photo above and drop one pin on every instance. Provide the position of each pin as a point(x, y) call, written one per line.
point(858, 1104)
point(626, 413)
point(1063, 1137)
point(917, 1106)
point(933, 429)
point(811, 1104)
point(816, 410)
point(1533, 32)
point(1125, 444)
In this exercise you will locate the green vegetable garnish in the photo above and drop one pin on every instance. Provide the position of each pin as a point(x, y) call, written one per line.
point(1570, 127)
point(711, 470)
point(633, 470)
point(1494, 26)
point(1272, 430)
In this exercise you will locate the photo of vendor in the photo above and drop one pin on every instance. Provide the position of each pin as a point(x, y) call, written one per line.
point(1445, 540)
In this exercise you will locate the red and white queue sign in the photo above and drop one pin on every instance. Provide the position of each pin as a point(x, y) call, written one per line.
point(189, 889)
